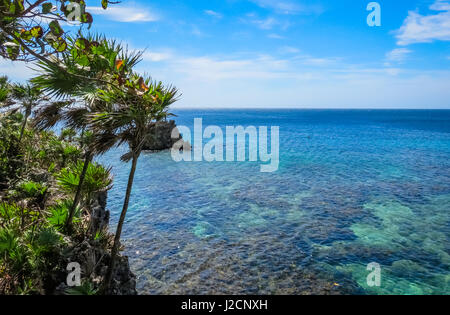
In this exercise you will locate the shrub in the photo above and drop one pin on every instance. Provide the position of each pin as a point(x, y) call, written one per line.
point(30, 189)
point(98, 178)
point(36, 192)
point(8, 212)
point(68, 134)
point(48, 240)
point(86, 288)
point(70, 153)
point(13, 216)
point(58, 214)
point(11, 152)
point(48, 149)
point(28, 245)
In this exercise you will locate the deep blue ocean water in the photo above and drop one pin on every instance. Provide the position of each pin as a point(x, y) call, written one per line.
point(353, 187)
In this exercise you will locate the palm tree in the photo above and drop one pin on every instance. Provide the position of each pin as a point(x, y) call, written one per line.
point(5, 92)
point(130, 118)
point(94, 144)
point(76, 118)
point(29, 96)
point(61, 85)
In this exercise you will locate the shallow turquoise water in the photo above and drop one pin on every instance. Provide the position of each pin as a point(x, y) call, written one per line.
point(354, 187)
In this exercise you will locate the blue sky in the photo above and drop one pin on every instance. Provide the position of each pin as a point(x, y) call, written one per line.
point(288, 53)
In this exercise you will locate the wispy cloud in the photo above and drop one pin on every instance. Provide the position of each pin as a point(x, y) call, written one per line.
point(156, 56)
point(241, 66)
point(296, 80)
point(419, 28)
point(267, 23)
point(208, 68)
point(397, 55)
point(17, 71)
point(288, 50)
point(126, 14)
point(289, 7)
point(440, 5)
point(214, 14)
point(196, 31)
point(275, 36)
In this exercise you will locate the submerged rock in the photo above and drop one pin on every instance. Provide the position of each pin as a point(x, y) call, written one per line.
point(160, 137)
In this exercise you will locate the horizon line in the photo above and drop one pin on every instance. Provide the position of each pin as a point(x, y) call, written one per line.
point(306, 108)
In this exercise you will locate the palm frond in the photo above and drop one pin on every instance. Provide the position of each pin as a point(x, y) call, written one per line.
point(48, 116)
point(76, 117)
point(59, 84)
point(103, 142)
point(135, 109)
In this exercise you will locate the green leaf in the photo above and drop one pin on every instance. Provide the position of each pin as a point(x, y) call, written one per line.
point(47, 7)
point(36, 32)
point(82, 44)
point(59, 45)
point(83, 61)
point(104, 4)
point(55, 28)
point(25, 35)
point(13, 52)
point(16, 7)
point(86, 18)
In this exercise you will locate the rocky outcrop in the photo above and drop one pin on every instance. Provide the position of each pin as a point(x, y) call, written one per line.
point(94, 256)
point(94, 261)
point(99, 214)
point(160, 137)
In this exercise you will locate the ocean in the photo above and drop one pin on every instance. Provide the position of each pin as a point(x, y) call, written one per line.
point(353, 188)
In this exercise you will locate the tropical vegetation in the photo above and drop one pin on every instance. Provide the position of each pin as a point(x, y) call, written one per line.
point(36, 194)
point(49, 184)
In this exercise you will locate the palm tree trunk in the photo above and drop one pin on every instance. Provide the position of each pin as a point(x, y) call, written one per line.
point(77, 198)
point(22, 130)
point(115, 248)
point(25, 120)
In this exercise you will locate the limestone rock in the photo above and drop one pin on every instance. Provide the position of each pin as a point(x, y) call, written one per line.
point(160, 137)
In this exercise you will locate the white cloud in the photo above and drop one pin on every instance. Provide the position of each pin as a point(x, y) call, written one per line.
point(297, 80)
point(208, 68)
point(17, 71)
point(419, 28)
point(267, 24)
point(288, 50)
point(289, 7)
point(397, 55)
point(154, 56)
point(440, 5)
point(275, 36)
point(125, 14)
point(197, 31)
point(314, 61)
point(213, 14)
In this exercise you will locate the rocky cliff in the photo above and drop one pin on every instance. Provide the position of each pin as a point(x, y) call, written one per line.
point(160, 136)
point(94, 256)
